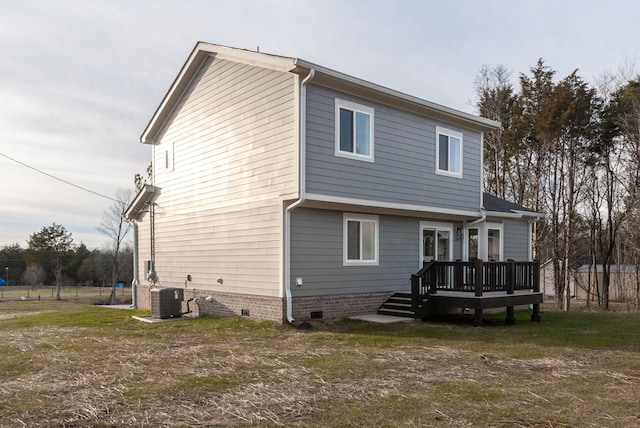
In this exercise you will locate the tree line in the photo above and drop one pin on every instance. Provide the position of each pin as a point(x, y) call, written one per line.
point(78, 265)
point(571, 150)
point(52, 258)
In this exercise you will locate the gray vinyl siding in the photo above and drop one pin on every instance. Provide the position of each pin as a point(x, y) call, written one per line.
point(233, 139)
point(516, 240)
point(317, 255)
point(403, 170)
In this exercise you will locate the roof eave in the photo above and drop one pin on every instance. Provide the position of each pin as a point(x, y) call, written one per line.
point(324, 76)
point(146, 193)
point(531, 214)
point(335, 79)
point(198, 56)
point(516, 214)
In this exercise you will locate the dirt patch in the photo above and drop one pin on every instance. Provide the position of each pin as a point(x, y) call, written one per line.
point(101, 368)
point(11, 315)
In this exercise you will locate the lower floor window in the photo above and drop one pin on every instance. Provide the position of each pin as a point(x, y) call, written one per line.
point(493, 245)
point(360, 239)
point(484, 242)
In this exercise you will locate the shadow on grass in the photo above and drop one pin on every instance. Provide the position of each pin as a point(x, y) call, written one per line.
point(557, 329)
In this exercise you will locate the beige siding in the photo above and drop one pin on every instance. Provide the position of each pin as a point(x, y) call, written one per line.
point(231, 146)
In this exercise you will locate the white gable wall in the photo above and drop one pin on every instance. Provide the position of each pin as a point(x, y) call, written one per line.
point(224, 162)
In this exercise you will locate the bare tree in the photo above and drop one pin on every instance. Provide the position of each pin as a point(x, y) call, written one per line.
point(116, 228)
point(496, 99)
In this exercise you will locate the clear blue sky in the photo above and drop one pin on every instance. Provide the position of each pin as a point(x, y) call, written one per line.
point(79, 80)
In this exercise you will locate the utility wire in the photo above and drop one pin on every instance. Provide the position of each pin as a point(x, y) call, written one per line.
point(59, 179)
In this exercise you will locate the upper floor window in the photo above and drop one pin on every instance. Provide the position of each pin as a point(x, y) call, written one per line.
point(448, 152)
point(354, 130)
point(360, 239)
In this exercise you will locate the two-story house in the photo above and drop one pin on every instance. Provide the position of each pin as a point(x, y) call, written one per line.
point(284, 190)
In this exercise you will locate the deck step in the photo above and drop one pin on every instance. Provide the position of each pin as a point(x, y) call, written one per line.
point(399, 305)
point(396, 313)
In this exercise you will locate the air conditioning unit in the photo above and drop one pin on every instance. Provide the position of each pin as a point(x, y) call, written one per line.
point(166, 302)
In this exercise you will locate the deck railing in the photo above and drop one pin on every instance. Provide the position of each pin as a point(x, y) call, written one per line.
point(476, 277)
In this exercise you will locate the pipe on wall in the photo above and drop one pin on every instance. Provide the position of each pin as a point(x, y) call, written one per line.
point(302, 175)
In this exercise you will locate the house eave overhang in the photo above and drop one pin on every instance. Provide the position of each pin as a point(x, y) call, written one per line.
point(362, 88)
point(531, 214)
point(144, 196)
point(382, 207)
point(515, 214)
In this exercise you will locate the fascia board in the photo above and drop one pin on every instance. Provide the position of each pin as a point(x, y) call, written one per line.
point(192, 65)
point(423, 209)
point(501, 214)
point(142, 198)
point(532, 214)
point(395, 98)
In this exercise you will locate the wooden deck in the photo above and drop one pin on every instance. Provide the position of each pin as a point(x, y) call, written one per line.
point(475, 285)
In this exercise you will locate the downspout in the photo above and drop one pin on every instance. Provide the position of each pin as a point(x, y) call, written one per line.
point(480, 220)
point(135, 281)
point(302, 191)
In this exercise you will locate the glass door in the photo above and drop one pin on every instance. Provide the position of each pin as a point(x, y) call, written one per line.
point(437, 246)
point(436, 242)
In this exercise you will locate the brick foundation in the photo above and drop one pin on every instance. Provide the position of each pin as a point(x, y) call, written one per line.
point(272, 308)
point(223, 304)
point(337, 306)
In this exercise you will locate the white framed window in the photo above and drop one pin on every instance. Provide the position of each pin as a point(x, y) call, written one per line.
point(485, 242)
point(448, 152)
point(354, 130)
point(360, 236)
point(472, 243)
point(494, 242)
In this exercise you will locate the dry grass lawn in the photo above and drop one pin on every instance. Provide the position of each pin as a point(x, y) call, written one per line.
point(71, 364)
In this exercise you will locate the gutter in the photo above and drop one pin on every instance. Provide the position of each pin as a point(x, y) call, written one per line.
point(446, 113)
point(301, 199)
point(480, 220)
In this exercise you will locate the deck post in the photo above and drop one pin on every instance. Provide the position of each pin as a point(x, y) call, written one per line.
point(433, 280)
point(535, 315)
point(510, 279)
point(479, 277)
point(457, 275)
point(415, 293)
point(478, 291)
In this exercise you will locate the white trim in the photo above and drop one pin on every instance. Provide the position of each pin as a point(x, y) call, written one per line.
point(501, 214)
point(145, 194)
point(356, 108)
point(433, 225)
point(482, 169)
point(530, 214)
point(426, 108)
point(449, 133)
point(390, 205)
point(346, 217)
point(530, 241)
